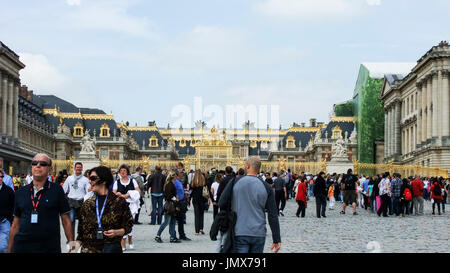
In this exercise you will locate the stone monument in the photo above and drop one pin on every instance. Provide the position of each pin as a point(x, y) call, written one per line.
point(88, 152)
point(339, 162)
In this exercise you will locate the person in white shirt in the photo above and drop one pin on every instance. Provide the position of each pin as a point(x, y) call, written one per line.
point(214, 189)
point(384, 187)
point(129, 189)
point(76, 187)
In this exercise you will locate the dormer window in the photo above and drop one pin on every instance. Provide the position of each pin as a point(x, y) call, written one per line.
point(337, 132)
point(153, 141)
point(78, 130)
point(182, 142)
point(104, 131)
point(290, 142)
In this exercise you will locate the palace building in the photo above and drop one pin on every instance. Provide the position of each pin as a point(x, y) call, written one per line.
point(416, 112)
point(32, 123)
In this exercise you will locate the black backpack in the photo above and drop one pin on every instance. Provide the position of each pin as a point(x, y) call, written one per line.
point(437, 190)
point(349, 183)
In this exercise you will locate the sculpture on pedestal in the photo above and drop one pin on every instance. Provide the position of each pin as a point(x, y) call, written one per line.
point(339, 149)
point(88, 143)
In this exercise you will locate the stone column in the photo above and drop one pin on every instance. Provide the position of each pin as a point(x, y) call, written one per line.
point(429, 112)
point(388, 140)
point(419, 111)
point(391, 129)
point(445, 104)
point(398, 119)
point(386, 137)
point(5, 106)
point(435, 99)
point(16, 111)
point(9, 130)
point(424, 114)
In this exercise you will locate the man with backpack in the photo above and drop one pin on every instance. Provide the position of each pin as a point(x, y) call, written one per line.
point(396, 186)
point(250, 198)
point(436, 195)
point(349, 187)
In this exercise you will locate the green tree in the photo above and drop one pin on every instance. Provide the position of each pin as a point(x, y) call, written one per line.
point(371, 122)
point(345, 109)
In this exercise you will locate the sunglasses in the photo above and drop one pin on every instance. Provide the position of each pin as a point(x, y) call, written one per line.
point(42, 163)
point(93, 177)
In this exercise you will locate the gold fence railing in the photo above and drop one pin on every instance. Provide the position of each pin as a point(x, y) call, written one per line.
point(59, 165)
point(404, 170)
point(271, 166)
point(205, 165)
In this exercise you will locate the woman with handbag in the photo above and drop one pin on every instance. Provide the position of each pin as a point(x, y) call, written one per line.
point(170, 195)
point(104, 218)
point(198, 185)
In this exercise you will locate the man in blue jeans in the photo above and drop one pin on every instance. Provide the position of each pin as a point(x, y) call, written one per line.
point(250, 199)
point(155, 186)
point(182, 201)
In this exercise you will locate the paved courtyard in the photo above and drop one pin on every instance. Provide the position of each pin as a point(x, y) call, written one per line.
point(337, 233)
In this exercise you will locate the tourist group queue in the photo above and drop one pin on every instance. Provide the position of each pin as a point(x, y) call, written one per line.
point(383, 194)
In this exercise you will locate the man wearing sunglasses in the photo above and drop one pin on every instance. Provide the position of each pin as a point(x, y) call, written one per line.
point(38, 207)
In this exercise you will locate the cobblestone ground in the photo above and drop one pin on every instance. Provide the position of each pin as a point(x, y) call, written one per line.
point(337, 233)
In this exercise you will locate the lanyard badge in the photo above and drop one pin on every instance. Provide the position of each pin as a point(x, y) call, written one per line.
point(34, 213)
point(99, 235)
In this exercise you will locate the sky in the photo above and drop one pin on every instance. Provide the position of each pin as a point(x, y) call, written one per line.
point(145, 60)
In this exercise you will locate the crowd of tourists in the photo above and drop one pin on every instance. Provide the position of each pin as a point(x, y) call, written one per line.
point(107, 204)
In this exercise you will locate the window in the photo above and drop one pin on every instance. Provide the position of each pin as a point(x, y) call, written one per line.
point(336, 132)
point(153, 141)
point(290, 142)
point(104, 130)
point(78, 130)
point(182, 142)
point(104, 153)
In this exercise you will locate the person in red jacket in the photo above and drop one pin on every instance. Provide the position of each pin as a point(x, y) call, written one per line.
point(301, 197)
point(417, 192)
point(436, 195)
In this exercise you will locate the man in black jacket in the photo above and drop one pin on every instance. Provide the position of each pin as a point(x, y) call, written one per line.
point(225, 180)
point(155, 187)
point(6, 213)
point(320, 192)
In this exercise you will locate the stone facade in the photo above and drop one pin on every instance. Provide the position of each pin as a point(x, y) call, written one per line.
point(417, 117)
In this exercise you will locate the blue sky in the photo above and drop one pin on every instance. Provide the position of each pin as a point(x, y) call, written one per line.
point(140, 59)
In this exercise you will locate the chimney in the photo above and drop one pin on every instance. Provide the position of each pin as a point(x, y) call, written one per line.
point(312, 122)
point(30, 96)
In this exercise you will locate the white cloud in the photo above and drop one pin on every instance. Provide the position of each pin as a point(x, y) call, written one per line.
point(209, 47)
point(110, 16)
point(313, 9)
point(40, 74)
point(374, 2)
point(299, 100)
point(73, 2)
point(45, 78)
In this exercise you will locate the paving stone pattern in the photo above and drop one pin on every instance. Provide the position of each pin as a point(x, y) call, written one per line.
point(336, 233)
